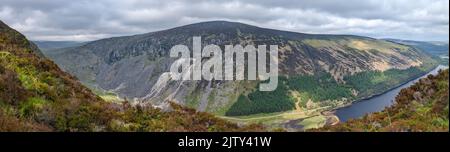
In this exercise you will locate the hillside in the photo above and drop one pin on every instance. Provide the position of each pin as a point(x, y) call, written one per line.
point(434, 48)
point(35, 95)
point(421, 107)
point(316, 70)
point(51, 45)
point(437, 49)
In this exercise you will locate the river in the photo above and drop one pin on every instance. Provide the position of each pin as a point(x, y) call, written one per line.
point(376, 103)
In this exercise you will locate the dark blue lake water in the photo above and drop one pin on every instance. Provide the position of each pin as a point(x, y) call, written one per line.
point(377, 103)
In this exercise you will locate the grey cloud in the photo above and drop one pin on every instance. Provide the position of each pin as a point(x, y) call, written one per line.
point(88, 20)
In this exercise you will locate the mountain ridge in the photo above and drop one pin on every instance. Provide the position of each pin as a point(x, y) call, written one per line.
point(130, 66)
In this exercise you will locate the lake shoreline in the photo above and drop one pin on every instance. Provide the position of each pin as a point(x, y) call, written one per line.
point(334, 110)
point(329, 113)
point(395, 87)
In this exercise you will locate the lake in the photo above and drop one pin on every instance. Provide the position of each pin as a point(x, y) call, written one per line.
point(376, 103)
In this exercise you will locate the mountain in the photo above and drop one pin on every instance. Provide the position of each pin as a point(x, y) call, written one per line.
point(51, 45)
point(315, 70)
point(421, 107)
point(35, 95)
point(434, 48)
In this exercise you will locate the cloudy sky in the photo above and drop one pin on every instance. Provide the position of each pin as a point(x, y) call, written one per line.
point(83, 20)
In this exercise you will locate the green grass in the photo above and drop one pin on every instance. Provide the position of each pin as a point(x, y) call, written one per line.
point(31, 106)
point(106, 95)
point(30, 77)
point(111, 98)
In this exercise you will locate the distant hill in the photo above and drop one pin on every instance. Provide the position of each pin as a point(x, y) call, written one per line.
point(57, 44)
point(434, 48)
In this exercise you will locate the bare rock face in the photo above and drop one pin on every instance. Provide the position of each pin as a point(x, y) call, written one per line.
point(133, 66)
